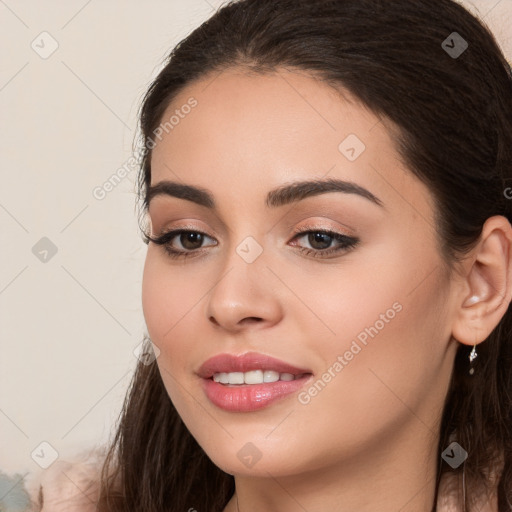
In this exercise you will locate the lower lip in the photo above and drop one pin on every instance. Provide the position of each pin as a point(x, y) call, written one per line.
point(250, 397)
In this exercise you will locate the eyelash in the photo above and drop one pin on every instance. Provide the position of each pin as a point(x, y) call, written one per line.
point(346, 243)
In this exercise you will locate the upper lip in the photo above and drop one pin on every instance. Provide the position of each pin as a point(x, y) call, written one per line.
point(227, 363)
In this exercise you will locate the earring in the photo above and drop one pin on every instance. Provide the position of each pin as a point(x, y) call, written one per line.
point(472, 356)
point(472, 300)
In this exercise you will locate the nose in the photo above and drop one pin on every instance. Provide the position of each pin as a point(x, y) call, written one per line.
point(245, 294)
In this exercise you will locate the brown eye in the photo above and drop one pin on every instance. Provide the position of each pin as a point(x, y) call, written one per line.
point(320, 240)
point(190, 241)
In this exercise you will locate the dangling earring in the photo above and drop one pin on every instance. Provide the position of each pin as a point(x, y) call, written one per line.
point(472, 356)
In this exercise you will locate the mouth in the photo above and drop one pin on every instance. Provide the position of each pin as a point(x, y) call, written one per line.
point(249, 382)
point(249, 368)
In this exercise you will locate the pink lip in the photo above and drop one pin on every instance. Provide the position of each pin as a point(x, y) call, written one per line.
point(246, 398)
point(244, 363)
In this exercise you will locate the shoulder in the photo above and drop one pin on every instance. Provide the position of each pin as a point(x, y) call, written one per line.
point(68, 485)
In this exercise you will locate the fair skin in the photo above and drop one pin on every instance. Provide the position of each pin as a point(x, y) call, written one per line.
point(368, 440)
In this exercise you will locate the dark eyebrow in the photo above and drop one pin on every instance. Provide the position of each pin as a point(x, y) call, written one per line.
point(300, 190)
point(280, 196)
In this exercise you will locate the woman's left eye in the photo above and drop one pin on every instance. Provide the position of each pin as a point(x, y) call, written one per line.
point(320, 240)
point(323, 239)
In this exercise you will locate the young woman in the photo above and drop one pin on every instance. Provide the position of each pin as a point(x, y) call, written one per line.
point(326, 196)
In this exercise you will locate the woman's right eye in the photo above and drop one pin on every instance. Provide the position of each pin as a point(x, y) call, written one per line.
point(189, 240)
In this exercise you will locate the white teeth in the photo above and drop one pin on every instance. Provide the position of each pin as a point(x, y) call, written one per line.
point(253, 377)
point(270, 376)
point(236, 378)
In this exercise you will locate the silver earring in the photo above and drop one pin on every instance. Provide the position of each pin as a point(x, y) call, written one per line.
point(472, 300)
point(472, 356)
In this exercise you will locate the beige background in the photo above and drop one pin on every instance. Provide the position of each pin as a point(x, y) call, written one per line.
point(69, 326)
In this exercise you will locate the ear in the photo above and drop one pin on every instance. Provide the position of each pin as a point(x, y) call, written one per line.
point(487, 286)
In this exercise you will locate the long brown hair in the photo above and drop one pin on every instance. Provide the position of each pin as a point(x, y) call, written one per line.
point(454, 119)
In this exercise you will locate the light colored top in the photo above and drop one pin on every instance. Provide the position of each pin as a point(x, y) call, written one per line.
point(67, 485)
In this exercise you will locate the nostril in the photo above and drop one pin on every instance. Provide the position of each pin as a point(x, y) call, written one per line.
point(251, 319)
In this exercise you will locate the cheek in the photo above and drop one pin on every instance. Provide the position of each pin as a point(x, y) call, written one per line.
point(361, 299)
point(377, 388)
point(166, 302)
point(387, 357)
point(386, 313)
point(169, 295)
point(154, 297)
point(172, 298)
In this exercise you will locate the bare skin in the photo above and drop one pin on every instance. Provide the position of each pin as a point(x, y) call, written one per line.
point(368, 439)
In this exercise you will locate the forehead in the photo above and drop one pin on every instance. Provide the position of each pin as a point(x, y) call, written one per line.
point(256, 118)
point(279, 110)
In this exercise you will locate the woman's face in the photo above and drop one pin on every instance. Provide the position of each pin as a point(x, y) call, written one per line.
point(367, 316)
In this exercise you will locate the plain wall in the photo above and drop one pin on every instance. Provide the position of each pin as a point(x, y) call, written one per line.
point(70, 321)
